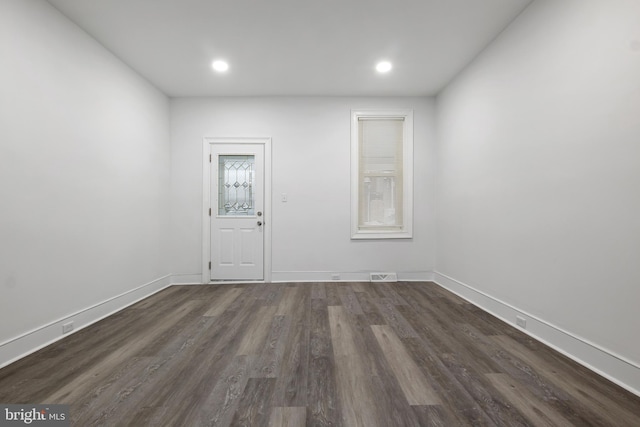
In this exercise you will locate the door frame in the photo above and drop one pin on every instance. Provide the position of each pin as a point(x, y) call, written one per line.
point(206, 200)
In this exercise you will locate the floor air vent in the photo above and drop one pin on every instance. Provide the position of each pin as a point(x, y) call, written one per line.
point(383, 277)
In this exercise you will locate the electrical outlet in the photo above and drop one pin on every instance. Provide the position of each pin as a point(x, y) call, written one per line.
point(67, 327)
point(335, 277)
point(521, 321)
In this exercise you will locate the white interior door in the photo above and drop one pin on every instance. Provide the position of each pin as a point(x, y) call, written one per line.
point(237, 207)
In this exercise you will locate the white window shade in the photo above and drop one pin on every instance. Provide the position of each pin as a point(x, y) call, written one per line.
point(382, 147)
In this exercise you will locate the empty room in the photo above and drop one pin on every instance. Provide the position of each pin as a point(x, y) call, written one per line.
point(320, 213)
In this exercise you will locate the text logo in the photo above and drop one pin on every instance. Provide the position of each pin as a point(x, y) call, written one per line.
point(34, 415)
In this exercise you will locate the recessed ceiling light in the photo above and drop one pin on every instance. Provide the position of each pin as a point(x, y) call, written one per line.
point(220, 66)
point(384, 66)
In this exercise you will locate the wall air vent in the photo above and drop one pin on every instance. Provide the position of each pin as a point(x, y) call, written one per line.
point(383, 277)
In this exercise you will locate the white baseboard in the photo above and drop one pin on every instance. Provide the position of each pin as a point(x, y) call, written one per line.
point(34, 340)
point(416, 276)
point(614, 367)
point(312, 276)
point(186, 279)
point(348, 276)
point(318, 276)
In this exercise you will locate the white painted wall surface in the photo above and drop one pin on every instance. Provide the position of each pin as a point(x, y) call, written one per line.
point(538, 200)
point(84, 172)
point(311, 149)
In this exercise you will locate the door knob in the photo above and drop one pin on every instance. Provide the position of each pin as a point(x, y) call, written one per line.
point(259, 223)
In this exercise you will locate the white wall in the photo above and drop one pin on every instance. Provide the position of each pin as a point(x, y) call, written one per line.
point(311, 149)
point(539, 171)
point(84, 174)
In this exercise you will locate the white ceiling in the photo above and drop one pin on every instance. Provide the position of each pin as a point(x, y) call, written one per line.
point(294, 47)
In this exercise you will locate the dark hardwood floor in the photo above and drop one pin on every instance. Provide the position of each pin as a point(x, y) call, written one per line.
point(322, 354)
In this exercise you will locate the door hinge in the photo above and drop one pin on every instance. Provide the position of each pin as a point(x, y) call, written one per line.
point(209, 211)
point(209, 265)
point(209, 158)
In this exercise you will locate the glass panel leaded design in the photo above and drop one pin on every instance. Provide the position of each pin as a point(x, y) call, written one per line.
point(235, 185)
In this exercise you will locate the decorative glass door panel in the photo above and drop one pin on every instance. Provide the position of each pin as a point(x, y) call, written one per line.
point(237, 220)
point(236, 176)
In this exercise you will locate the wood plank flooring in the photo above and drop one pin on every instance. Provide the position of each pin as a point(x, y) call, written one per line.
point(312, 354)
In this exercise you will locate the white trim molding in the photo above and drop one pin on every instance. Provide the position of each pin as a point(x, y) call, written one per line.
point(345, 276)
point(602, 361)
point(36, 339)
point(206, 199)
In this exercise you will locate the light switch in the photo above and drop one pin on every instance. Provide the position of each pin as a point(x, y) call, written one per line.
point(284, 197)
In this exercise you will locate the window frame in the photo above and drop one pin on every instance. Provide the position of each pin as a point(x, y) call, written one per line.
point(406, 232)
